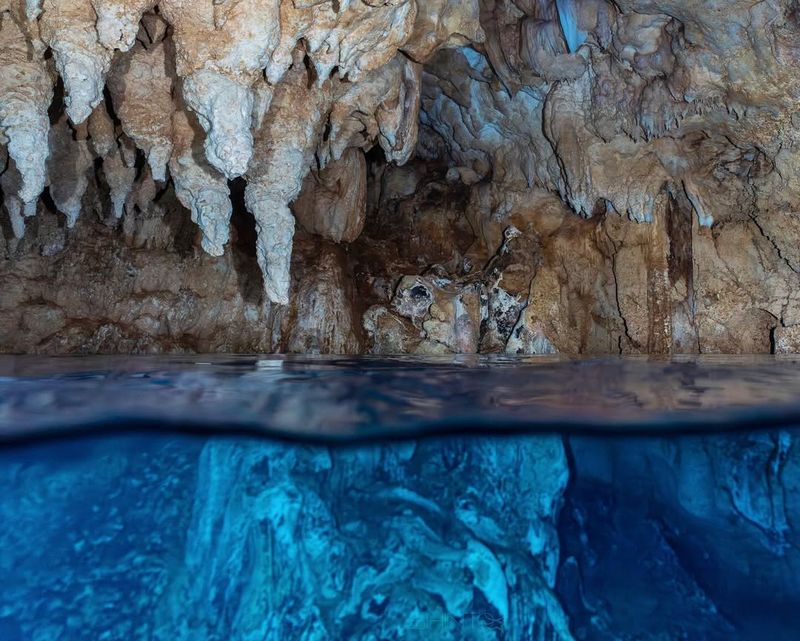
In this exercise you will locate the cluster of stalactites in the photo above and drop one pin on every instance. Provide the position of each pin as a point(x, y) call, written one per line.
point(611, 103)
point(210, 91)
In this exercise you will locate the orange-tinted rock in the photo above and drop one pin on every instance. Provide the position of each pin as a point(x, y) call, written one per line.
point(582, 177)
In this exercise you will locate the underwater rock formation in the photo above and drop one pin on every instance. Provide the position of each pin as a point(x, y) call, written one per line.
point(252, 538)
point(181, 538)
point(492, 568)
point(575, 176)
point(664, 497)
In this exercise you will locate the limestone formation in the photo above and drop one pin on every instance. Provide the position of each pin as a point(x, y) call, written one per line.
point(219, 64)
point(141, 87)
point(118, 21)
point(283, 156)
point(25, 95)
point(333, 201)
point(68, 165)
point(199, 188)
point(646, 154)
point(68, 28)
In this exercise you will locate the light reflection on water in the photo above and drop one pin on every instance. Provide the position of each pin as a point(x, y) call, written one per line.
point(341, 398)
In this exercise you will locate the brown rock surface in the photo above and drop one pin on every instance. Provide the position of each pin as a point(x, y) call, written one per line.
point(580, 176)
point(333, 201)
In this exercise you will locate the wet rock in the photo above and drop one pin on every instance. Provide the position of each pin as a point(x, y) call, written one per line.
point(739, 487)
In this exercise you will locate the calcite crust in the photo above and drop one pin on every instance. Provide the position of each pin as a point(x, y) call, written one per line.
point(646, 152)
point(219, 63)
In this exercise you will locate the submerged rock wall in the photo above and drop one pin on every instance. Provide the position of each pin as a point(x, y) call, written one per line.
point(182, 539)
point(427, 176)
point(529, 538)
point(709, 517)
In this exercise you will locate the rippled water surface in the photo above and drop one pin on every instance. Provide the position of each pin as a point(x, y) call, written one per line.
point(344, 398)
point(262, 498)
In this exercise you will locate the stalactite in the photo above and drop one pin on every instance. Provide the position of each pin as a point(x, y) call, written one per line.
point(201, 189)
point(68, 27)
point(490, 107)
point(284, 152)
point(25, 95)
point(141, 87)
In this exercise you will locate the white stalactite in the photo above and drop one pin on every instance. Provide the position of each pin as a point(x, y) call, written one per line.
point(201, 189)
point(224, 108)
point(25, 95)
point(284, 151)
point(118, 21)
point(68, 27)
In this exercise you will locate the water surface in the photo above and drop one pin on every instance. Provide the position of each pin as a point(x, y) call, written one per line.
point(261, 498)
point(330, 398)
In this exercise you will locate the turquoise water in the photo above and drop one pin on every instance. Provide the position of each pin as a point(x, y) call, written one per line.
point(471, 498)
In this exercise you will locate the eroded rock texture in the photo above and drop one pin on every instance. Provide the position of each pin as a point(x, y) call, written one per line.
point(742, 487)
point(574, 176)
point(181, 538)
point(262, 539)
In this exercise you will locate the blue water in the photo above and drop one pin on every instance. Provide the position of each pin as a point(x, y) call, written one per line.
point(270, 498)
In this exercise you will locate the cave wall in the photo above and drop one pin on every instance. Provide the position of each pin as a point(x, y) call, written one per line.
point(525, 538)
point(429, 176)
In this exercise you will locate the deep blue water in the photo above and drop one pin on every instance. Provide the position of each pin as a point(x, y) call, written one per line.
point(249, 498)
